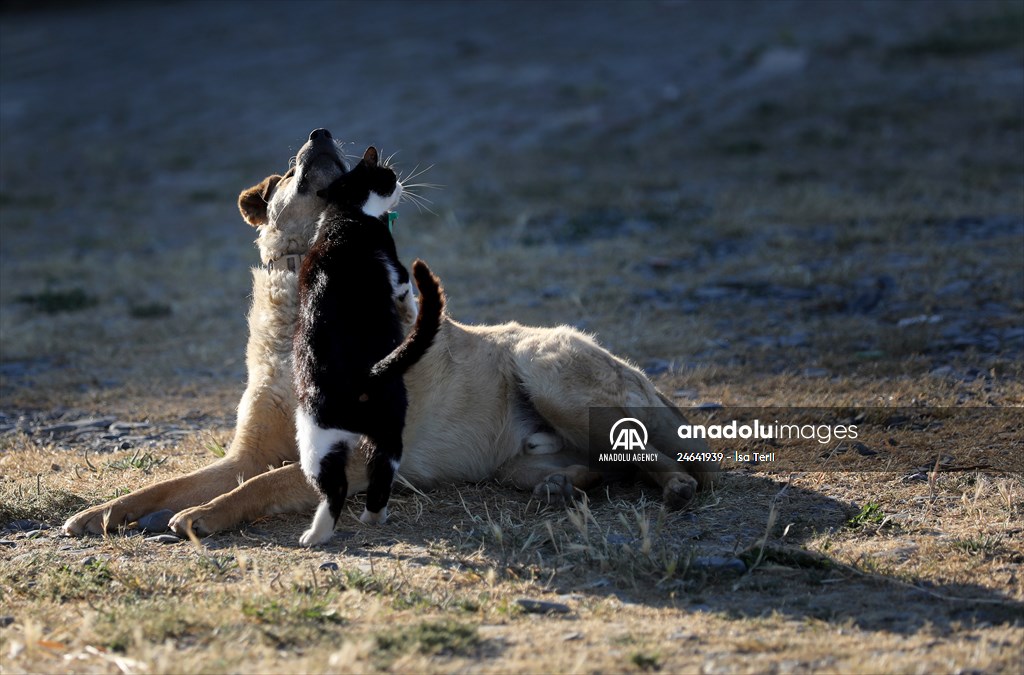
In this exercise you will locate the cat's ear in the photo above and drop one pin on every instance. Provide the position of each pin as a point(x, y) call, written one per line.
point(370, 157)
point(252, 202)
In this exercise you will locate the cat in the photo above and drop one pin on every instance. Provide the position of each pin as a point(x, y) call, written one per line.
point(348, 349)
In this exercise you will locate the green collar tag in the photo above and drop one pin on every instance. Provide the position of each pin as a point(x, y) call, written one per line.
point(392, 217)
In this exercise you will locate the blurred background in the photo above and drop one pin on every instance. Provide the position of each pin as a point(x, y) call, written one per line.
point(819, 189)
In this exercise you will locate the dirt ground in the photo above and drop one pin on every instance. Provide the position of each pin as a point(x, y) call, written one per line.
point(760, 203)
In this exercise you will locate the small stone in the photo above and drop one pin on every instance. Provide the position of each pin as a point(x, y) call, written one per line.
point(661, 263)
point(164, 539)
point(918, 320)
point(57, 429)
point(864, 450)
point(124, 427)
point(712, 292)
point(799, 339)
point(720, 565)
point(815, 373)
point(87, 423)
point(94, 559)
point(681, 635)
point(329, 566)
point(158, 521)
point(24, 525)
point(8, 542)
point(542, 606)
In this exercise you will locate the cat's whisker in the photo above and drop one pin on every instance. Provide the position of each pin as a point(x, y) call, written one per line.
point(350, 159)
point(418, 197)
point(419, 201)
point(414, 173)
point(429, 186)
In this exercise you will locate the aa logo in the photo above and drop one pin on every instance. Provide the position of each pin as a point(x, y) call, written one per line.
point(628, 433)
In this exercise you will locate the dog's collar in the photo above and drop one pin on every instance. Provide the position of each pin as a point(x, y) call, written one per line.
point(293, 261)
point(286, 263)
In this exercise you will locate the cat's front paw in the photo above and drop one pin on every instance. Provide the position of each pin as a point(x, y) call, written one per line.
point(407, 307)
point(374, 518)
point(313, 537)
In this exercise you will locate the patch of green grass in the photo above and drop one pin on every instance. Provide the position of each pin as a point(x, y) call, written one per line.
point(646, 661)
point(67, 581)
point(275, 612)
point(869, 514)
point(983, 545)
point(154, 622)
point(363, 581)
point(36, 503)
point(55, 302)
point(216, 448)
point(143, 462)
point(442, 638)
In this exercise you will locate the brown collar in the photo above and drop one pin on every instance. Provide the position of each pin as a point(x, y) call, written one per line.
point(286, 263)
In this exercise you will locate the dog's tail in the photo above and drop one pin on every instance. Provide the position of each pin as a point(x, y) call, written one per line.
point(422, 335)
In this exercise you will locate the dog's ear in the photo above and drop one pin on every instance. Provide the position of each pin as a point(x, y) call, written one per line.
point(370, 156)
point(253, 201)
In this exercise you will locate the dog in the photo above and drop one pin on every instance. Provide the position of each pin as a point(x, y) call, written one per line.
point(493, 402)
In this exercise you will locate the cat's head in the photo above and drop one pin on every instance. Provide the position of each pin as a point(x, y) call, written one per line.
point(368, 187)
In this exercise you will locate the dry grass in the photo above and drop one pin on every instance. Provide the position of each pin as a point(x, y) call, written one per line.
point(723, 227)
point(923, 571)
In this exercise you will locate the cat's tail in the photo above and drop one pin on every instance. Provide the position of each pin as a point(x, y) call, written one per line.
point(422, 335)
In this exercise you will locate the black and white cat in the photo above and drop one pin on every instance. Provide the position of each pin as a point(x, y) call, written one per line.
point(348, 350)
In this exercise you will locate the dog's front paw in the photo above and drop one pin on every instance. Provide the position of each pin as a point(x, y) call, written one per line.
point(79, 524)
point(679, 492)
point(95, 520)
point(556, 489)
point(199, 520)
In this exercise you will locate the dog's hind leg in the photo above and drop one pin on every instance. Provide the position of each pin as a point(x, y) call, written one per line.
point(553, 478)
point(663, 423)
point(565, 375)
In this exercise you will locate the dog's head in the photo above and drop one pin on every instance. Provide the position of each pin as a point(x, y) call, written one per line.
point(286, 208)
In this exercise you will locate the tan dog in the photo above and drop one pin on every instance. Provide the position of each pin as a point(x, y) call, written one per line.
point(505, 402)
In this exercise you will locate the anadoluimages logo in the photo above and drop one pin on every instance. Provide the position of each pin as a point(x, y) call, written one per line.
point(631, 436)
